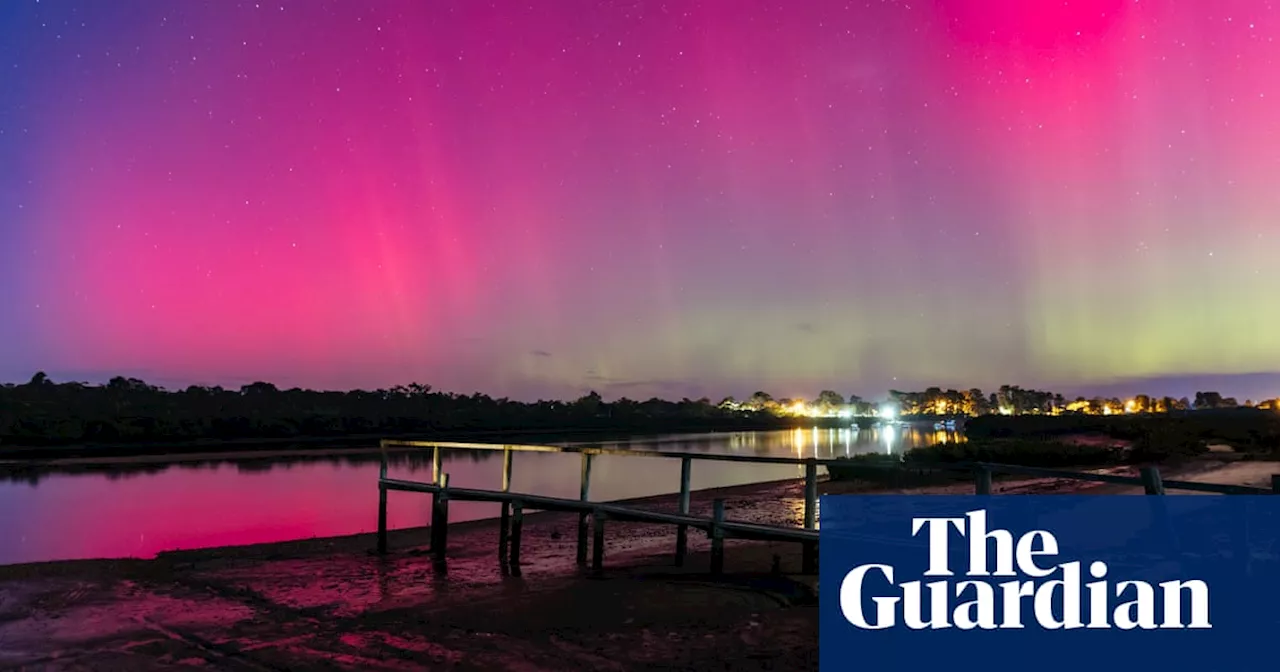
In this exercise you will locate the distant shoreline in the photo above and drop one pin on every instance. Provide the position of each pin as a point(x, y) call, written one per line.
point(1247, 430)
point(191, 449)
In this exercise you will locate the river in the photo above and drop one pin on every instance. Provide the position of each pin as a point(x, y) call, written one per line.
point(137, 508)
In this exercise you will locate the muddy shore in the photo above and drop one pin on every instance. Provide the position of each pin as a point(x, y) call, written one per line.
point(334, 604)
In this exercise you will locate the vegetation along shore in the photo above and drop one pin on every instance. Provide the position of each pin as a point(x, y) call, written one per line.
point(127, 416)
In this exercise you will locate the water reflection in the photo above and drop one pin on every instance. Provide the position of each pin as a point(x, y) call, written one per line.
point(830, 442)
point(123, 469)
point(140, 507)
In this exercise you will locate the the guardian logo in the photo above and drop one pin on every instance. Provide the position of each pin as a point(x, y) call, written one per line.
point(1031, 590)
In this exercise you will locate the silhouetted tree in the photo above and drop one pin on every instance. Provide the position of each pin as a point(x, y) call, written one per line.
point(828, 401)
point(128, 410)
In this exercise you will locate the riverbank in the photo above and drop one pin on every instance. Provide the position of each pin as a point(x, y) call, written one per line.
point(333, 604)
point(186, 449)
point(232, 453)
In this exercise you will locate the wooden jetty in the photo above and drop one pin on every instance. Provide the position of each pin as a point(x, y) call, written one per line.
point(593, 515)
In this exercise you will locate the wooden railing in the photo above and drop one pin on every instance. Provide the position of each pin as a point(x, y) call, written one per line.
point(717, 527)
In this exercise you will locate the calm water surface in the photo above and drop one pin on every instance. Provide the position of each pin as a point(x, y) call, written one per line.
point(137, 509)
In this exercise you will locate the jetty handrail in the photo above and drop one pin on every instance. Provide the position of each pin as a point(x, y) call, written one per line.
point(1198, 486)
point(601, 450)
point(615, 511)
point(968, 467)
point(513, 503)
point(716, 527)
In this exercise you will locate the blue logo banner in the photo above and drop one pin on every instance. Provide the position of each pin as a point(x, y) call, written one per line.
point(1050, 582)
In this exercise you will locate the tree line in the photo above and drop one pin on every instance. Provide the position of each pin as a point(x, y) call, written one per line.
point(41, 412)
point(127, 410)
point(1007, 400)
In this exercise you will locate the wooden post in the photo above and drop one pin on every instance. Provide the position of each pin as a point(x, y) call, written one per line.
point(382, 505)
point(1154, 485)
point(717, 536)
point(436, 461)
point(682, 531)
point(1275, 484)
point(506, 469)
point(597, 542)
point(1151, 481)
point(981, 480)
point(517, 527)
point(584, 490)
point(382, 519)
point(440, 519)
point(504, 535)
point(504, 520)
point(810, 494)
point(809, 549)
point(808, 557)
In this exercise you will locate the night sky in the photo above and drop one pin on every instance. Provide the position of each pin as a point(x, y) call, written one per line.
point(642, 198)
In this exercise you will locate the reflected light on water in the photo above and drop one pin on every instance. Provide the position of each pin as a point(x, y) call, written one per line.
point(834, 442)
point(890, 435)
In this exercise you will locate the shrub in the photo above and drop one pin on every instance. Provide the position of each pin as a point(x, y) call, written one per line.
point(940, 463)
point(1158, 444)
point(1049, 454)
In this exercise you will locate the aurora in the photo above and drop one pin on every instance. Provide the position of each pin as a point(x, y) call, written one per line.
point(641, 199)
